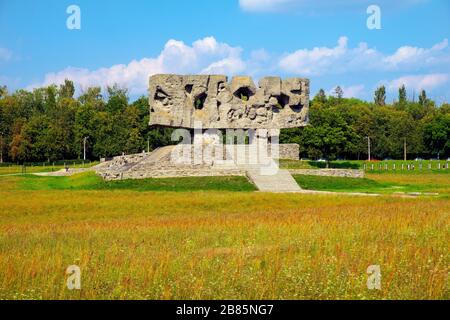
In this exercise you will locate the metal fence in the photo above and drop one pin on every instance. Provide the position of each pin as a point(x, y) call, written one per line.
point(406, 166)
point(29, 167)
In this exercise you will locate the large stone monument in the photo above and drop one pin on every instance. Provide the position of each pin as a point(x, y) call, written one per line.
point(195, 103)
point(181, 101)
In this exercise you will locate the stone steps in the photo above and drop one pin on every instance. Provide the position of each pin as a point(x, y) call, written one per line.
point(282, 181)
point(159, 164)
point(154, 157)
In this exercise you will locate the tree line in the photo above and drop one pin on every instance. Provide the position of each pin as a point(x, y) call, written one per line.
point(50, 123)
point(341, 127)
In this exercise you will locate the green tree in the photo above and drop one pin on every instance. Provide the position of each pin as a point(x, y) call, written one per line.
point(402, 97)
point(321, 97)
point(328, 135)
point(67, 90)
point(437, 135)
point(117, 99)
point(338, 92)
point(423, 98)
point(3, 91)
point(380, 96)
point(93, 97)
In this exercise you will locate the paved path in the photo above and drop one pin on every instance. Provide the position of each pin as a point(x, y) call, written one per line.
point(62, 172)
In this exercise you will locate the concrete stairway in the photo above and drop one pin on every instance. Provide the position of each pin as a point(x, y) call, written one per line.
point(282, 181)
point(155, 157)
point(267, 178)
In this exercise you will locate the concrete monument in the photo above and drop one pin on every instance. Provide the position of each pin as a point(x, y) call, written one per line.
point(180, 101)
point(194, 103)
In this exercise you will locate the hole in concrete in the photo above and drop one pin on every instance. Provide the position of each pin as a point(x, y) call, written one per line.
point(297, 108)
point(200, 101)
point(283, 100)
point(160, 94)
point(220, 87)
point(188, 88)
point(243, 93)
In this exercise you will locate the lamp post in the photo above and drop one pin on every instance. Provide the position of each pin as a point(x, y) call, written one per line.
point(404, 149)
point(1, 147)
point(84, 148)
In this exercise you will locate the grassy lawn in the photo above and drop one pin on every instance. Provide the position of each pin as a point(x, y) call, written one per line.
point(7, 169)
point(359, 164)
point(220, 243)
point(373, 183)
point(90, 181)
point(380, 183)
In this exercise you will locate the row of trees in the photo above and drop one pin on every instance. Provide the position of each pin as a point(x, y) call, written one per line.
point(340, 127)
point(50, 124)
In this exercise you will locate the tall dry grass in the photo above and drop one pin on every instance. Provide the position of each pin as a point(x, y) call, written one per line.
point(212, 245)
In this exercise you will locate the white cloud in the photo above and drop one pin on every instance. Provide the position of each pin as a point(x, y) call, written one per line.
point(5, 54)
point(230, 65)
point(265, 5)
point(260, 55)
point(208, 56)
point(317, 6)
point(419, 82)
point(204, 56)
point(355, 91)
point(411, 56)
point(314, 61)
point(344, 59)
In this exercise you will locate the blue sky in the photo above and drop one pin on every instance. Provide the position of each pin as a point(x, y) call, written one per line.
point(327, 41)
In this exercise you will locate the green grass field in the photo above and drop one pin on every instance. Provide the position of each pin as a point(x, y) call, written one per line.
point(436, 166)
point(7, 169)
point(215, 239)
point(373, 183)
point(90, 181)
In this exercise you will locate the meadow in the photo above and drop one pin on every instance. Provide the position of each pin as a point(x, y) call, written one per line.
point(213, 238)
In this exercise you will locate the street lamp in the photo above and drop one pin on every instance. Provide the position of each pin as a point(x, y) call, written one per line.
point(84, 148)
point(1, 147)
